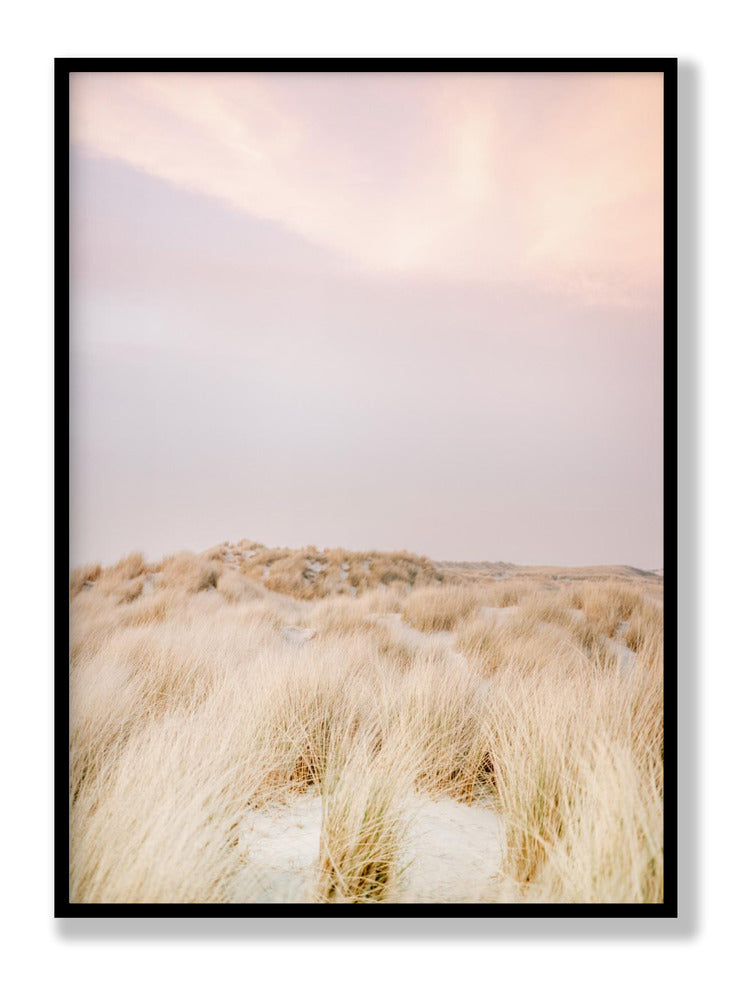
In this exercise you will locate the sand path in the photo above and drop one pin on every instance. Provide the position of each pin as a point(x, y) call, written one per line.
point(452, 852)
point(429, 642)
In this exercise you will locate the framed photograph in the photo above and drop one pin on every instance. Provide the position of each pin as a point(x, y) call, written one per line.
point(365, 420)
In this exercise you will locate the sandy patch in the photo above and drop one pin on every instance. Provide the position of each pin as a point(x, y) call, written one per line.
point(424, 642)
point(296, 636)
point(452, 852)
point(626, 657)
point(313, 567)
point(455, 852)
point(499, 614)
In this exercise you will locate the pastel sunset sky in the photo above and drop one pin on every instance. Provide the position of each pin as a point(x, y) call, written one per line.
point(416, 311)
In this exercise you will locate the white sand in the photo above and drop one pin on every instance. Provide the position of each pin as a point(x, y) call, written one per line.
point(452, 852)
point(296, 636)
point(313, 567)
point(429, 642)
point(499, 614)
point(626, 657)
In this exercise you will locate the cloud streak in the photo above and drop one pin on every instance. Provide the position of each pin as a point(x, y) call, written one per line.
point(552, 180)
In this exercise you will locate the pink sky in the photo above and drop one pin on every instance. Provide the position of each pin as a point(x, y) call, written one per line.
point(371, 310)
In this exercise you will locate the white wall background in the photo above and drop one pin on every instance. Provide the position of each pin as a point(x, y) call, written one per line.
point(364, 959)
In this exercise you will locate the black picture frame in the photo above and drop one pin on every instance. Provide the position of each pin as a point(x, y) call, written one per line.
point(63, 67)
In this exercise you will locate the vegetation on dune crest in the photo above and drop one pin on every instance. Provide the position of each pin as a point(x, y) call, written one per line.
point(193, 705)
point(310, 573)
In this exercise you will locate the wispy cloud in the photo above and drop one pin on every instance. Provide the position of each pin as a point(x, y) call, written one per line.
point(546, 180)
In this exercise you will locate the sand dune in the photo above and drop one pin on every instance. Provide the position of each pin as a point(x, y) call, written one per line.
point(363, 727)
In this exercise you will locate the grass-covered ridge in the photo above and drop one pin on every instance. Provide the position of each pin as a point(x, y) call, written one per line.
point(208, 689)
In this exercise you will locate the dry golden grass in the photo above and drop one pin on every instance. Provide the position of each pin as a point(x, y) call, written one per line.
point(190, 709)
point(190, 572)
point(313, 574)
point(436, 609)
point(605, 606)
point(646, 622)
point(235, 587)
point(363, 826)
point(505, 593)
point(83, 576)
point(578, 769)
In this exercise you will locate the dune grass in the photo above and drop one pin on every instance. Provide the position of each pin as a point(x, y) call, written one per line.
point(363, 824)
point(190, 710)
point(436, 609)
